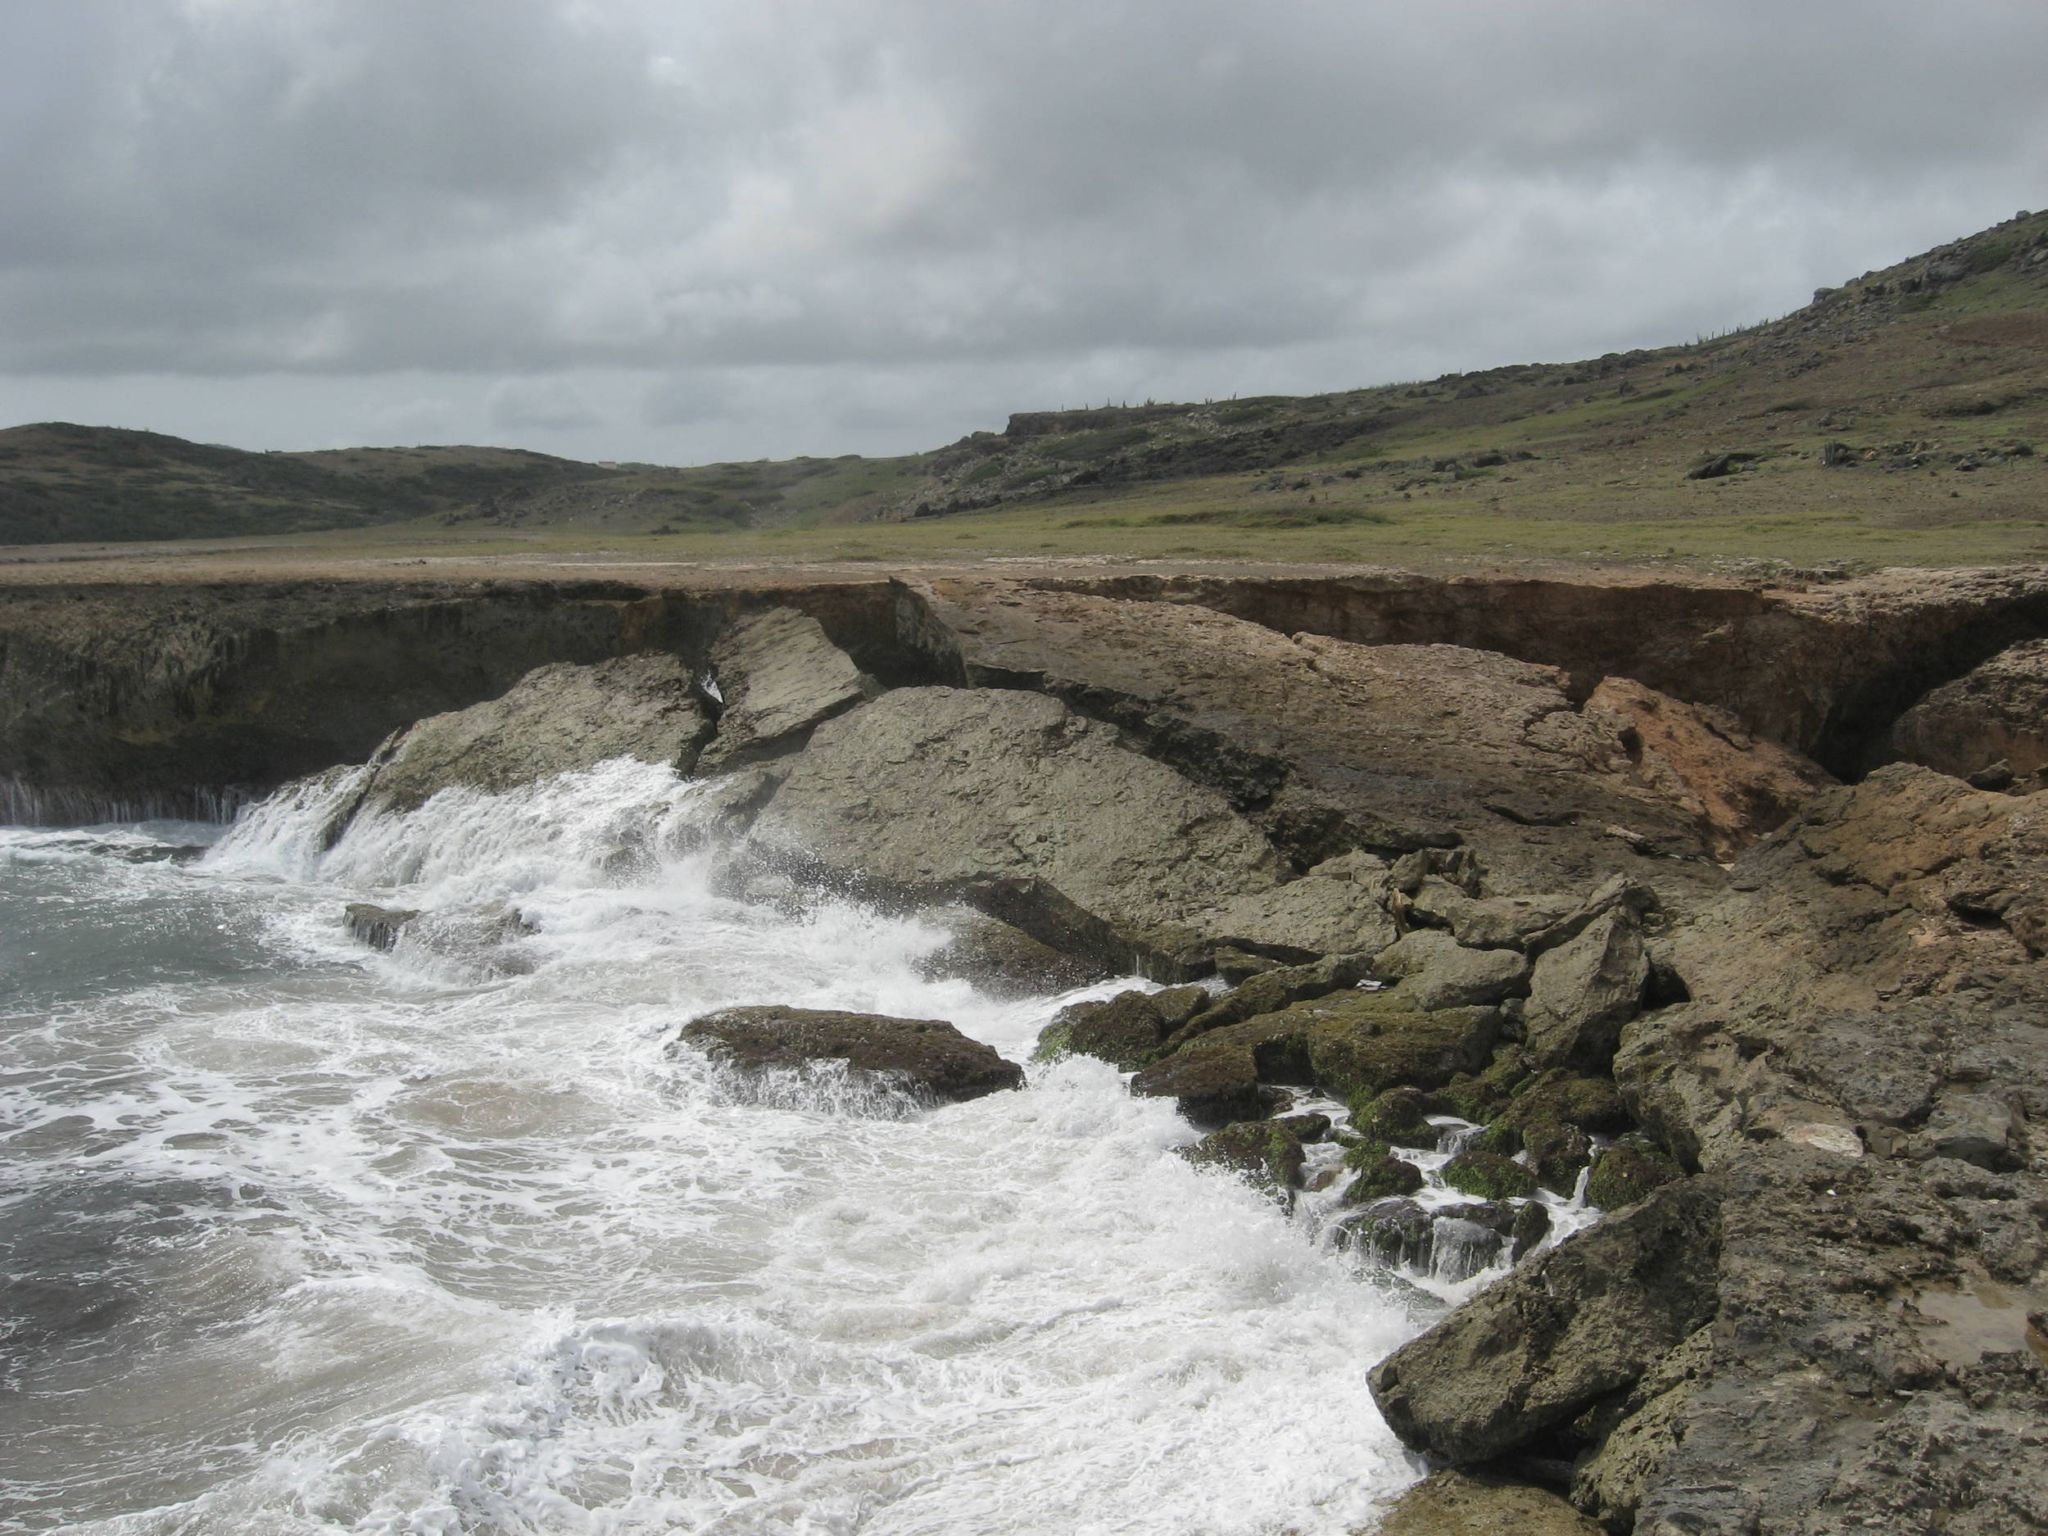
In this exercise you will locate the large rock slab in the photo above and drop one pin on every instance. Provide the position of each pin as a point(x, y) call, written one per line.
point(1737, 785)
point(778, 677)
point(1437, 971)
point(1332, 745)
point(1582, 992)
point(1995, 713)
point(553, 720)
point(928, 1056)
point(1574, 1326)
point(1018, 805)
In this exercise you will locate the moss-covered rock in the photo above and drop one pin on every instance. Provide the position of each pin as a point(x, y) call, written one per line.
point(1553, 1117)
point(1393, 1230)
point(1267, 1152)
point(1399, 1117)
point(1479, 1098)
point(1489, 1176)
point(1127, 1030)
point(1381, 1177)
point(1366, 1042)
point(1627, 1172)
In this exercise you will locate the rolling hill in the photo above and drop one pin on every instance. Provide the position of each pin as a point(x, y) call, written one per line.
point(1909, 399)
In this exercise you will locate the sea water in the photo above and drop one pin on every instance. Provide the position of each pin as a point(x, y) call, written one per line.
point(302, 1237)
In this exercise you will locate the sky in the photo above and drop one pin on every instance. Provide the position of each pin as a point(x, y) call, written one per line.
point(689, 230)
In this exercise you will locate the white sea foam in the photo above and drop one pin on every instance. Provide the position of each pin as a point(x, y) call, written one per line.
point(443, 1245)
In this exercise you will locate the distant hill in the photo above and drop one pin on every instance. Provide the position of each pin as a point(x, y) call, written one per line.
point(1936, 367)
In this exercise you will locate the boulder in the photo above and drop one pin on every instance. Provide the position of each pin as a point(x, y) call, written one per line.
point(1438, 972)
point(1128, 1030)
point(1628, 1172)
point(1995, 713)
point(1553, 1118)
point(1571, 1327)
point(1023, 809)
point(1267, 1152)
point(554, 719)
point(1271, 991)
point(1453, 1503)
point(1489, 1176)
point(1396, 1118)
point(1366, 1042)
point(1584, 991)
point(927, 1056)
point(1378, 1176)
point(1000, 960)
point(375, 926)
point(777, 676)
point(1212, 1086)
point(1392, 1231)
point(1494, 922)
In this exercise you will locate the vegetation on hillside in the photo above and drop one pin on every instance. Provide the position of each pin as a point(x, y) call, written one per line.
point(1897, 416)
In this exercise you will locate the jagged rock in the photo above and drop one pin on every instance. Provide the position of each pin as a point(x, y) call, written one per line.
point(1332, 745)
point(1573, 1326)
point(1001, 960)
point(1478, 1504)
point(1438, 972)
point(554, 719)
point(1127, 1030)
point(1273, 990)
point(778, 676)
point(926, 1055)
point(377, 927)
point(1498, 922)
point(1995, 713)
point(1023, 809)
point(1584, 991)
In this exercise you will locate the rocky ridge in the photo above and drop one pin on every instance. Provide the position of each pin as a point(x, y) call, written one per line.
point(1576, 879)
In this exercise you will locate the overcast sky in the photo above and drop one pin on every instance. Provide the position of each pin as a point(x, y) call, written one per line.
point(682, 230)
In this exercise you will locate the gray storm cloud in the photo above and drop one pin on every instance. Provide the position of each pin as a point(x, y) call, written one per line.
point(719, 230)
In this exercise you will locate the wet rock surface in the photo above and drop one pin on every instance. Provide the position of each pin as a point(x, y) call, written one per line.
point(555, 719)
point(1010, 800)
point(927, 1055)
point(777, 677)
point(1460, 845)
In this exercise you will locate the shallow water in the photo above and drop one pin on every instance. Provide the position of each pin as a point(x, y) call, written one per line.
point(304, 1238)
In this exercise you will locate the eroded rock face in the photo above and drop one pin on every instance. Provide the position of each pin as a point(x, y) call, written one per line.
point(554, 719)
point(1574, 1326)
point(1997, 713)
point(1331, 745)
point(929, 1056)
point(955, 792)
point(779, 677)
point(1737, 785)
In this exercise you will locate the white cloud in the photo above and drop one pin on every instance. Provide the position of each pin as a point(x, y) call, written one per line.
point(886, 221)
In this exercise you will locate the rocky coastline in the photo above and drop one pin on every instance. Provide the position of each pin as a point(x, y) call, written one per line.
point(1727, 901)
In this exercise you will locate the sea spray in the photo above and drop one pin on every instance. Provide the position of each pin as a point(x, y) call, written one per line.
point(406, 1243)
